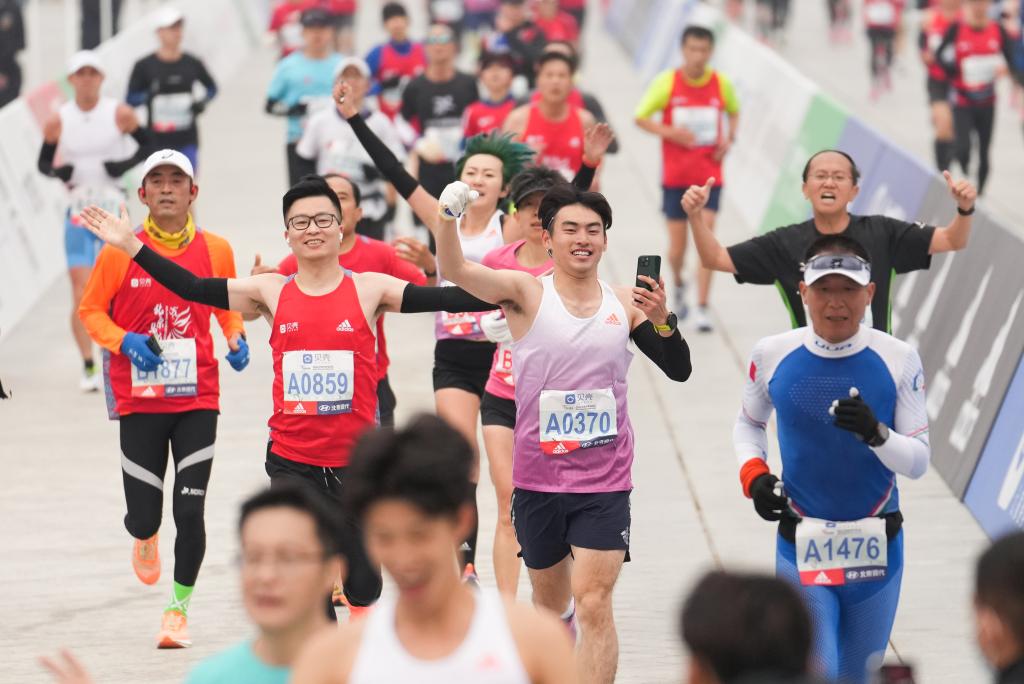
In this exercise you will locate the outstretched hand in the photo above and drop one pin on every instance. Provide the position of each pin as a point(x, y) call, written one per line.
point(963, 192)
point(596, 140)
point(116, 231)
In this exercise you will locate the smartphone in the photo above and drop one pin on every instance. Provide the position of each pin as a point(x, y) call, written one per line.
point(648, 265)
point(896, 674)
point(153, 345)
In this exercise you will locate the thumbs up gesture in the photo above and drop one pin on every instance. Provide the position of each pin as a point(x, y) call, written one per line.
point(696, 197)
point(962, 191)
point(258, 267)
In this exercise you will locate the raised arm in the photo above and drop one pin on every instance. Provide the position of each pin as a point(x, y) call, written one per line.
point(713, 254)
point(654, 332)
point(954, 236)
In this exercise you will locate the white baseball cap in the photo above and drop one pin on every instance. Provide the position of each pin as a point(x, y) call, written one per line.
point(83, 59)
point(357, 62)
point(168, 16)
point(849, 265)
point(168, 158)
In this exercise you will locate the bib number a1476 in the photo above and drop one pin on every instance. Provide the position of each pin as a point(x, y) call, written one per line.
point(318, 383)
point(832, 553)
point(571, 420)
point(176, 376)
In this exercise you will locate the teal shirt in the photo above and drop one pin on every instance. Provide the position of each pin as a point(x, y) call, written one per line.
point(237, 664)
point(300, 79)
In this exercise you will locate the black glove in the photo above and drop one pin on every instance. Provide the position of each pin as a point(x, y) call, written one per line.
point(198, 107)
point(855, 415)
point(116, 169)
point(64, 172)
point(767, 503)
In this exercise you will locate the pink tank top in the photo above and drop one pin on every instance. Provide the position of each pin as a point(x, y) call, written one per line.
point(573, 433)
point(500, 382)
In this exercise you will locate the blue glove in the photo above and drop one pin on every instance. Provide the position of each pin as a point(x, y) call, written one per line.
point(135, 348)
point(239, 359)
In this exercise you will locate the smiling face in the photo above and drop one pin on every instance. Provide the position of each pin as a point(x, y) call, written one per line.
point(168, 193)
point(577, 240)
point(315, 242)
point(836, 306)
point(483, 173)
point(830, 186)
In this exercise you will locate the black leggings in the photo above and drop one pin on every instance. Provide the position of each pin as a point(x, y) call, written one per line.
point(981, 119)
point(144, 441)
point(882, 44)
point(362, 582)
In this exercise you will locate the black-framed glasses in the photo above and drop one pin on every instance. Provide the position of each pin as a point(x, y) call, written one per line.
point(323, 221)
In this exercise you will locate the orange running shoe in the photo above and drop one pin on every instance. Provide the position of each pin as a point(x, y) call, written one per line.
point(358, 612)
point(146, 559)
point(338, 596)
point(173, 631)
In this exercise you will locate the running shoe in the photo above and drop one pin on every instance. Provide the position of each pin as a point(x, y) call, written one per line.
point(702, 320)
point(146, 559)
point(338, 596)
point(90, 381)
point(173, 631)
point(679, 307)
point(470, 577)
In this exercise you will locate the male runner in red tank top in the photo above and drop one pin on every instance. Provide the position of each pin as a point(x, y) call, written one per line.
point(553, 126)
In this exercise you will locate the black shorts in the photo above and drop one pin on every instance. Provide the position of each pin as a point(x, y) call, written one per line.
point(497, 411)
point(671, 199)
point(386, 403)
point(938, 91)
point(549, 524)
point(463, 364)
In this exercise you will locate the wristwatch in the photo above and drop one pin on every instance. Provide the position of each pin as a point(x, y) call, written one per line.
point(670, 324)
point(965, 212)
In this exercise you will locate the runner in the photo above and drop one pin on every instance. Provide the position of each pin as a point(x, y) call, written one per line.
point(485, 115)
point(851, 415)
point(302, 82)
point(839, 19)
point(555, 23)
point(328, 145)
point(161, 376)
point(975, 53)
point(164, 82)
point(325, 374)
point(693, 102)
point(570, 355)
point(553, 127)
point(408, 489)
point(577, 8)
point(830, 183)
point(516, 34)
point(394, 63)
point(91, 134)
point(882, 19)
point(288, 552)
point(12, 41)
point(934, 24)
point(999, 607)
point(434, 103)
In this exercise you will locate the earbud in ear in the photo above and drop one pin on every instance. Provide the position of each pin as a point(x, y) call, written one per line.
point(550, 253)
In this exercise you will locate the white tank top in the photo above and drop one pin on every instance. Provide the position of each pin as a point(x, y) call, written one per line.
point(488, 655)
point(87, 139)
point(466, 326)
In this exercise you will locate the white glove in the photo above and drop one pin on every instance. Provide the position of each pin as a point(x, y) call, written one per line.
point(495, 327)
point(455, 198)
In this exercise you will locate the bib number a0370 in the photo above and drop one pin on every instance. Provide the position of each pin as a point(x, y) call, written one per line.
point(832, 553)
point(318, 382)
point(176, 376)
point(576, 420)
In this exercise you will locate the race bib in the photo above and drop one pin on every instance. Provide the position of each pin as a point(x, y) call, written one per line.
point(314, 104)
point(171, 112)
point(448, 138)
point(703, 122)
point(880, 13)
point(502, 368)
point(835, 553)
point(576, 420)
point(980, 70)
point(176, 376)
point(461, 324)
point(106, 197)
point(318, 383)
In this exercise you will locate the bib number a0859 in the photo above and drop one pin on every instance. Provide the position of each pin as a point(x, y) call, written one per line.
point(834, 553)
point(176, 376)
point(576, 420)
point(318, 382)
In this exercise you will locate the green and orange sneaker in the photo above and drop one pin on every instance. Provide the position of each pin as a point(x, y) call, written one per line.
point(173, 631)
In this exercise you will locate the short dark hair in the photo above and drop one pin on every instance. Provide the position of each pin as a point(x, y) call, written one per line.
point(999, 582)
point(425, 464)
point(357, 194)
point(741, 624)
point(698, 32)
point(533, 180)
point(836, 244)
point(309, 186)
point(490, 58)
point(328, 521)
point(854, 171)
point(552, 56)
point(392, 10)
point(565, 195)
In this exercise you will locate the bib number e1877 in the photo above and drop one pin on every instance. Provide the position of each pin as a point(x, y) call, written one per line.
point(576, 420)
point(176, 376)
point(319, 383)
point(835, 553)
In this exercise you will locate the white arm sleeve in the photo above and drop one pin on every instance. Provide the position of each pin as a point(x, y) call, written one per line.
point(907, 451)
point(749, 435)
point(308, 146)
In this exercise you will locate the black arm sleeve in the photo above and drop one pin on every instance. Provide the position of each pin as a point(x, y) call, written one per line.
point(584, 178)
point(383, 158)
point(1007, 47)
point(45, 162)
point(417, 299)
point(670, 354)
point(182, 282)
point(118, 167)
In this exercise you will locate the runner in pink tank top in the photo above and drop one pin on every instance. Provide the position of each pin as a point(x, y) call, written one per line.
point(573, 439)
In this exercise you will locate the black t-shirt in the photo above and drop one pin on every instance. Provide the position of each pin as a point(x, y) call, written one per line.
point(436, 107)
point(775, 257)
point(167, 88)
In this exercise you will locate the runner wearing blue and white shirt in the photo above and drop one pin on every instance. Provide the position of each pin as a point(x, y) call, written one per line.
point(851, 416)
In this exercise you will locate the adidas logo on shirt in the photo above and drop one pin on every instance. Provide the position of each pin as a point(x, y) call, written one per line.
point(299, 408)
point(822, 578)
point(559, 449)
point(345, 326)
point(148, 392)
point(613, 320)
